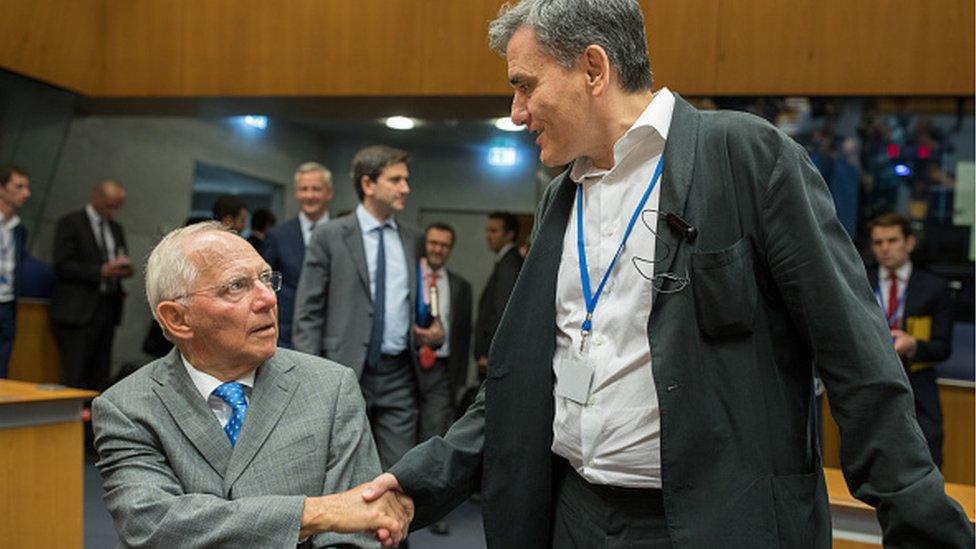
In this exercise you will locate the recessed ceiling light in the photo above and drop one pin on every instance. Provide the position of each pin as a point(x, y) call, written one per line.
point(506, 124)
point(400, 123)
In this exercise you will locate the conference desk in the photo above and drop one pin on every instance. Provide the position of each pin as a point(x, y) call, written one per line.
point(855, 524)
point(41, 465)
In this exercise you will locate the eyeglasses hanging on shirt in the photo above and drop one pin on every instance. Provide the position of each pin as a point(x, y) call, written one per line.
point(666, 282)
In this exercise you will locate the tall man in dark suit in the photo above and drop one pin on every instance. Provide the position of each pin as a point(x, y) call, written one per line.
point(501, 232)
point(90, 261)
point(228, 441)
point(14, 191)
point(918, 309)
point(651, 382)
point(284, 248)
point(355, 297)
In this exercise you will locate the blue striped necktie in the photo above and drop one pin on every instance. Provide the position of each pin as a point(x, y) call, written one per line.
point(232, 393)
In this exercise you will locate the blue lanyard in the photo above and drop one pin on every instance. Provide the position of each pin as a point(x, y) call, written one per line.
point(421, 305)
point(590, 298)
point(899, 312)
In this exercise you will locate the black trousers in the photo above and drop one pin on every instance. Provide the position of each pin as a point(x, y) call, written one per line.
point(592, 516)
point(86, 350)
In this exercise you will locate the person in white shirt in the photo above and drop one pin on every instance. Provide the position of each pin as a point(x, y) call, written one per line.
point(14, 192)
point(650, 383)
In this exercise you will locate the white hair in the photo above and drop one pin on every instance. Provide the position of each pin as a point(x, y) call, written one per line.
point(169, 272)
point(310, 167)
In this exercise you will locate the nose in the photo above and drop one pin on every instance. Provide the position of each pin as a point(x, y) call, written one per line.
point(519, 114)
point(264, 297)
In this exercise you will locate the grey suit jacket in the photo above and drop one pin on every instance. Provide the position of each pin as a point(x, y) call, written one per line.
point(333, 306)
point(775, 285)
point(172, 479)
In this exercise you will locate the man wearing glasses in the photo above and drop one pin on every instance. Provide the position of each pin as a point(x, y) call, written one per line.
point(228, 441)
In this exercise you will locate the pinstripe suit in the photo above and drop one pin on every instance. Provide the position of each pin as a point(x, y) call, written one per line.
point(172, 479)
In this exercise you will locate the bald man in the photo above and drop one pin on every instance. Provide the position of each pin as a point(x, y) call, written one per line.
point(90, 261)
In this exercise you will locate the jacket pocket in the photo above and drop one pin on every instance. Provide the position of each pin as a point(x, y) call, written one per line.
point(798, 509)
point(724, 286)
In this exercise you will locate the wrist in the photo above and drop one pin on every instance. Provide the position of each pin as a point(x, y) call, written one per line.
point(315, 518)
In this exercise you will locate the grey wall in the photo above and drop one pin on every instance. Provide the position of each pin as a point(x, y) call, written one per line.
point(34, 120)
point(154, 157)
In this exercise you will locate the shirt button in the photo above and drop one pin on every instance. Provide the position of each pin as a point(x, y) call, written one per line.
point(608, 229)
point(599, 340)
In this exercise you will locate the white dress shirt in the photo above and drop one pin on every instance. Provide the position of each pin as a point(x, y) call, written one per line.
point(307, 225)
point(206, 383)
point(8, 257)
point(615, 437)
point(396, 324)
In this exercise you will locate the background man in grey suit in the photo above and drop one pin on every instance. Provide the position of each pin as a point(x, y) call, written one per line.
point(354, 302)
point(228, 442)
point(665, 399)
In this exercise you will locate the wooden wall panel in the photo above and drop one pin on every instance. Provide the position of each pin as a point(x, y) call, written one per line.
point(57, 41)
point(242, 48)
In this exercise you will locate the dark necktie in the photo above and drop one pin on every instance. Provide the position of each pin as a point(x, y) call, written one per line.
point(893, 301)
point(232, 393)
point(379, 304)
point(104, 240)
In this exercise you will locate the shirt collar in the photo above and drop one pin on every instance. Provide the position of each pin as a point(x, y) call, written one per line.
point(206, 383)
point(92, 214)
point(9, 224)
point(367, 222)
point(501, 253)
point(903, 273)
point(655, 120)
point(306, 221)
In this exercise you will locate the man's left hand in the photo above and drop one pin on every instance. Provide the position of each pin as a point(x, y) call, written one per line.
point(905, 344)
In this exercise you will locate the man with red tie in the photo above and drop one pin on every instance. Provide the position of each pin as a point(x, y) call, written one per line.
point(918, 309)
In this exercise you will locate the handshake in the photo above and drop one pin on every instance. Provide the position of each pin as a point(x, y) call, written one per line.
point(377, 506)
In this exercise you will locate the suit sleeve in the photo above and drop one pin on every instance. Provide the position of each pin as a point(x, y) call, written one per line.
point(352, 455)
point(311, 297)
point(68, 264)
point(444, 471)
point(150, 509)
point(822, 282)
point(939, 346)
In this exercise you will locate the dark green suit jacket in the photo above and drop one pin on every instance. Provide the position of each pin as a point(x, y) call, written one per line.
point(775, 286)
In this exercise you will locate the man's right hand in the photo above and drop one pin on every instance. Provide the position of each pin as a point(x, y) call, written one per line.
point(349, 512)
point(380, 487)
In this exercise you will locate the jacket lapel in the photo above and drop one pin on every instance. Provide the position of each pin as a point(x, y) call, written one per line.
point(190, 412)
point(409, 243)
point(298, 238)
point(274, 387)
point(679, 165)
point(353, 237)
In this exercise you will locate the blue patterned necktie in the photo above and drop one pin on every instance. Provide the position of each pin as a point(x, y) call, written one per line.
point(374, 350)
point(232, 393)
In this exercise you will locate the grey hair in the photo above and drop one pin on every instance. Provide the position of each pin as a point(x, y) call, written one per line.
point(169, 272)
point(310, 167)
point(565, 28)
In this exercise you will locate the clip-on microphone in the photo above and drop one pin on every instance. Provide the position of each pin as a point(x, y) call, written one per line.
point(682, 227)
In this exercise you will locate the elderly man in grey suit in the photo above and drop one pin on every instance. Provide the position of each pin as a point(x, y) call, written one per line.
point(651, 382)
point(354, 302)
point(228, 442)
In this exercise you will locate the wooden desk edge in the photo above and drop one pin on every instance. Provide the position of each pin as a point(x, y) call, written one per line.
point(15, 392)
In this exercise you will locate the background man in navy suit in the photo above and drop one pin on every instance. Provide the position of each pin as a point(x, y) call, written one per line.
point(501, 233)
point(918, 309)
point(14, 191)
point(284, 246)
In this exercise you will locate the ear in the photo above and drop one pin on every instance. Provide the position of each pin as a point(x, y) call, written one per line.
point(364, 184)
point(173, 318)
point(596, 64)
point(912, 241)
